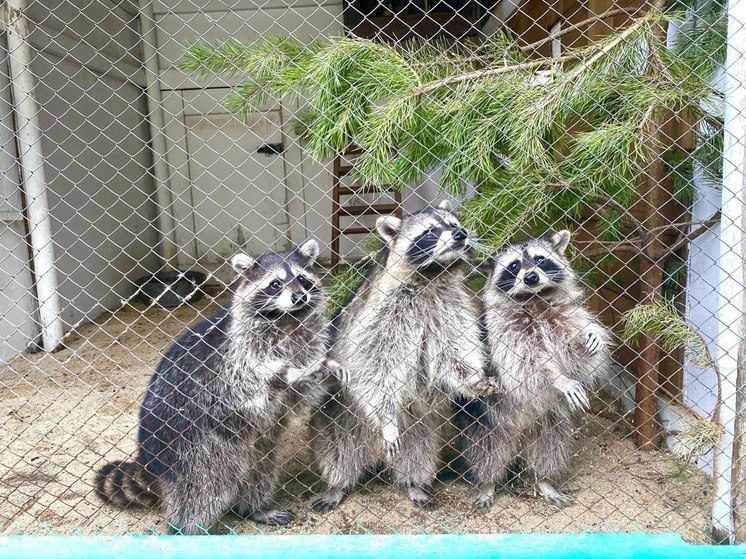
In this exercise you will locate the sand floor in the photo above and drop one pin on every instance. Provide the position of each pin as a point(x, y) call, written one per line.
point(67, 413)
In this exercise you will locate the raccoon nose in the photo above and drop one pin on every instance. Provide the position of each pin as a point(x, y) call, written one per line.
point(297, 297)
point(532, 278)
point(460, 234)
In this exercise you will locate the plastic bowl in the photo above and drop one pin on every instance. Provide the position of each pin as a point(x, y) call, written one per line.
point(171, 289)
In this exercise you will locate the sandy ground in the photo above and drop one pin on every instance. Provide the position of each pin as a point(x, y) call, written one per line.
point(66, 413)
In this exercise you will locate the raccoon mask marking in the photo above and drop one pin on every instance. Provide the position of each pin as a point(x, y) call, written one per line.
point(537, 267)
point(275, 285)
point(426, 241)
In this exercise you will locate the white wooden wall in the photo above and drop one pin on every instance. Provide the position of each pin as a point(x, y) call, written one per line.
point(96, 147)
point(224, 194)
point(95, 141)
point(18, 326)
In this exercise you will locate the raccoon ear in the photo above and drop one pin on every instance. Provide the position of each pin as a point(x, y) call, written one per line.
point(241, 262)
point(309, 249)
point(446, 205)
point(560, 240)
point(388, 227)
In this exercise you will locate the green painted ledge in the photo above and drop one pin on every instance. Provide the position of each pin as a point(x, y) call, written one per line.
point(451, 546)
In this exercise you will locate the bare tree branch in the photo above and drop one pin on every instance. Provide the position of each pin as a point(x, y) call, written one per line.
point(687, 238)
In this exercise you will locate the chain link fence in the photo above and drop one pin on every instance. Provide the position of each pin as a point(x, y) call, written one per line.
point(464, 385)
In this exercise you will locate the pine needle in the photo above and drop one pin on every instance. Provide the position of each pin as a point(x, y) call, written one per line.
point(697, 437)
point(349, 277)
point(661, 319)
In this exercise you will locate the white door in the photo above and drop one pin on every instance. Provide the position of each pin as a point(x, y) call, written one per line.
point(233, 194)
point(18, 324)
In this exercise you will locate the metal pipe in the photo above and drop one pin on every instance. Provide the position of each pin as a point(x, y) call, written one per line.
point(731, 265)
point(33, 179)
point(166, 223)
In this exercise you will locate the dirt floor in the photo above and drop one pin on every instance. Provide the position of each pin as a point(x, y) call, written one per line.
point(67, 413)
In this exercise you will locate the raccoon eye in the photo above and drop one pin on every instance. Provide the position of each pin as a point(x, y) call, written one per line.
point(539, 259)
point(275, 284)
point(305, 282)
point(514, 266)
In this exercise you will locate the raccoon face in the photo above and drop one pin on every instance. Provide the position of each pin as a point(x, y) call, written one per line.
point(534, 267)
point(432, 236)
point(275, 284)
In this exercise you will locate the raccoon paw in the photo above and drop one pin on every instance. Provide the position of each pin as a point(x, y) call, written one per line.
point(338, 370)
point(559, 500)
point(273, 517)
point(576, 395)
point(323, 505)
point(592, 343)
point(392, 449)
point(391, 441)
point(483, 502)
point(424, 503)
point(487, 386)
point(420, 497)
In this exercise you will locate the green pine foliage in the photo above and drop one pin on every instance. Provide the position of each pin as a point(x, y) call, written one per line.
point(540, 149)
point(679, 168)
point(349, 277)
point(660, 318)
point(543, 139)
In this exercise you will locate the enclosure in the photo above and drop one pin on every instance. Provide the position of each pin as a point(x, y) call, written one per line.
point(146, 143)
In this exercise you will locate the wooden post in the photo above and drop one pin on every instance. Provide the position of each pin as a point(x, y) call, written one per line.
point(600, 28)
point(336, 228)
point(653, 250)
point(651, 281)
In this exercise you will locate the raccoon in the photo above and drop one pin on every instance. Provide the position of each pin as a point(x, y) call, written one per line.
point(546, 350)
point(410, 336)
point(219, 400)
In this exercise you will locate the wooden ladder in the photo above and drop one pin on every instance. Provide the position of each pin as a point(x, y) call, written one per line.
point(339, 210)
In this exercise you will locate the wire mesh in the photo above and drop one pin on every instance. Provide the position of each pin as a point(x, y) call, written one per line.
point(175, 135)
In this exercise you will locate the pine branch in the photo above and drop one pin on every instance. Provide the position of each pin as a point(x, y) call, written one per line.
point(576, 26)
point(704, 226)
point(582, 66)
point(487, 73)
point(611, 249)
point(678, 225)
point(659, 318)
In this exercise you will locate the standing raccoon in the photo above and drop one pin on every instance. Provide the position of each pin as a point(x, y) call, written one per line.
point(411, 337)
point(219, 400)
point(546, 350)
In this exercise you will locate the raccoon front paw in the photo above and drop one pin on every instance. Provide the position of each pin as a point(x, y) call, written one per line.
point(560, 500)
point(592, 343)
point(420, 497)
point(338, 371)
point(576, 395)
point(554, 497)
point(391, 441)
point(391, 448)
point(487, 386)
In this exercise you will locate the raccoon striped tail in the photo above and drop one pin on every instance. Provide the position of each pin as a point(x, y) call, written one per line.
point(126, 484)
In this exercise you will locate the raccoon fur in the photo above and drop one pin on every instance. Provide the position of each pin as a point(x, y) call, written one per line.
point(410, 338)
point(219, 400)
point(547, 351)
